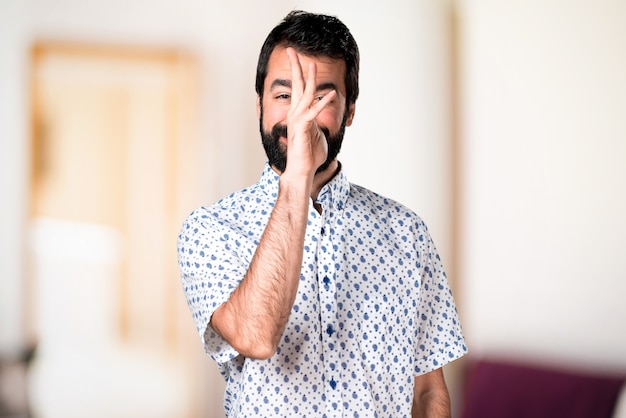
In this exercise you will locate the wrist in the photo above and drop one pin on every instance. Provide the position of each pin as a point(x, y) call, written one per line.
point(295, 186)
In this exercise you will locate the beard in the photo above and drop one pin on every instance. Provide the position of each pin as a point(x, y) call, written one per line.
point(276, 150)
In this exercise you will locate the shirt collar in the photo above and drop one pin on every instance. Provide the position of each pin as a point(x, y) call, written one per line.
point(334, 193)
point(269, 181)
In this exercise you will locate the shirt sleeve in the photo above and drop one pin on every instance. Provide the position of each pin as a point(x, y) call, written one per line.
point(210, 272)
point(439, 337)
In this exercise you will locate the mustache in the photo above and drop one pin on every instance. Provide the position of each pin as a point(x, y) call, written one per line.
point(280, 130)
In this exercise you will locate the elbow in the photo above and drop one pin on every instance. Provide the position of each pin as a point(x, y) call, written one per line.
point(257, 351)
point(250, 345)
point(249, 338)
point(257, 345)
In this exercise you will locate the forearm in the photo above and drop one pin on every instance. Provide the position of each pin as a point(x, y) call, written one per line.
point(432, 405)
point(430, 396)
point(254, 317)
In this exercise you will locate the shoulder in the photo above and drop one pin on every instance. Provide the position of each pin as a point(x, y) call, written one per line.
point(366, 201)
point(376, 200)
point(228, 209)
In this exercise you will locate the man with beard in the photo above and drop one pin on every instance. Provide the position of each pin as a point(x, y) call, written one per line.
point(317, 297)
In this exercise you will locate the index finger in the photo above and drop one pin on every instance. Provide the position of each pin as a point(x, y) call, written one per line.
point(297, 76)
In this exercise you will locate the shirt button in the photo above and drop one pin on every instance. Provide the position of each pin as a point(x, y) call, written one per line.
point(326, 282)
point(323, 231)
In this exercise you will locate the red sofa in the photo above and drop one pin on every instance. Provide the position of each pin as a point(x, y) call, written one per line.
point(506, 389)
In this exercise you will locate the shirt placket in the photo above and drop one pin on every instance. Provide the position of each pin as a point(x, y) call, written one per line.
point(329, 317)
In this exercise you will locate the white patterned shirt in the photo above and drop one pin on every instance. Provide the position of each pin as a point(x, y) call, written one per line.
point(372, 311)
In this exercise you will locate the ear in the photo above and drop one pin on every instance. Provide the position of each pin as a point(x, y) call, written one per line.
point(350, 114)
point(258, 106)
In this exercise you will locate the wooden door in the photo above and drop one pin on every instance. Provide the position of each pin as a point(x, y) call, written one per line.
point(115, 166)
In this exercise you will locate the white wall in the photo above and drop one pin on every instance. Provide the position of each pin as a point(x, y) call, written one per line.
point(13, 168)
point(544, 176)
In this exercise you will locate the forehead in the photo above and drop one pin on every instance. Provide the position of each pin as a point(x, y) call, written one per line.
point(329, 70)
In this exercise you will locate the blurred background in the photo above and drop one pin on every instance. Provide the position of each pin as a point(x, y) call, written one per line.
point(503, 124)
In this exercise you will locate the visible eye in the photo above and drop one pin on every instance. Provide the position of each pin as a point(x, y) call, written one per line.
point(320, 96)
point(283, 96)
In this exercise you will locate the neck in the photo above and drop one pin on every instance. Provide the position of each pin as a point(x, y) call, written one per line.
point(321, 178)
point(324, 177)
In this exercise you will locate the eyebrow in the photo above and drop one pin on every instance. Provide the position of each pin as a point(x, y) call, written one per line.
point(280, 82)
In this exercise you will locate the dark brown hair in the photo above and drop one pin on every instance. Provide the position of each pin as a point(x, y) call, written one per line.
point(313, 35)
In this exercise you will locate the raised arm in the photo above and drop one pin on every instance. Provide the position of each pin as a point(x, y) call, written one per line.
point(253, 319)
